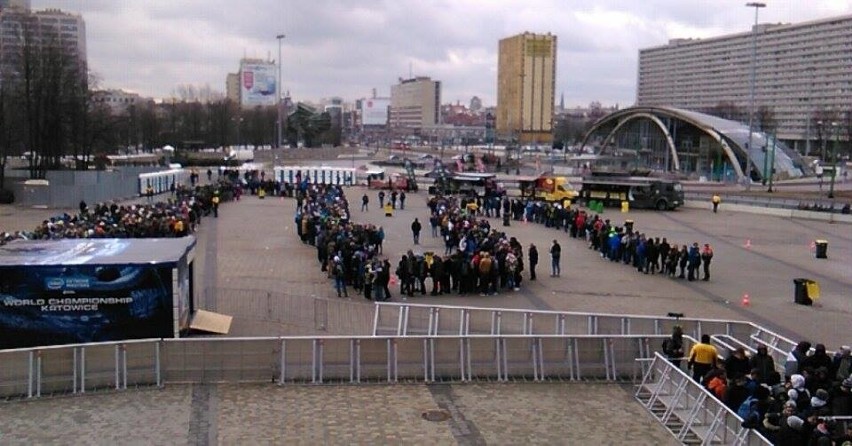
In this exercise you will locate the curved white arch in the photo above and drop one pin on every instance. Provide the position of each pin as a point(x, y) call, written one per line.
point(648, 112)
point(655, 120)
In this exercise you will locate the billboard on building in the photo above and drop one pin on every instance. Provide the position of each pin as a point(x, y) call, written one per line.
point(257, 84)
point(374, 111)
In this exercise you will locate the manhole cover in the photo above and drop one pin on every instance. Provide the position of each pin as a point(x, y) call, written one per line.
point(436, 415)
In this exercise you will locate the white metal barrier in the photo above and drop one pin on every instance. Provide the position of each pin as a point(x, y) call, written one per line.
point(402, 319)
point(688, 410)
point(75, 369)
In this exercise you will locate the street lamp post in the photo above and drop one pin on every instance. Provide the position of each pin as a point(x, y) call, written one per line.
point(836, 128)
point(756, 6)
point(279, 123)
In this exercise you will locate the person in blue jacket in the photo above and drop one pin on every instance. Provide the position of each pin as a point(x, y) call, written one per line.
point(694, 262)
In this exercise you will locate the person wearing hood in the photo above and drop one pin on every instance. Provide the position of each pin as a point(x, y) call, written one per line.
point(840, 398)
point(764, 364)
point(819, 404)
point(818, 359)
point(792, 432)
point(737, 364)
point(842, 363)
point(799, 393)
point(795, 359)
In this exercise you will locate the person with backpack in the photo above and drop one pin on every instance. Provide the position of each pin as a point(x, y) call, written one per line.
point(754, 408)
point(339, 277)
point(673, 346)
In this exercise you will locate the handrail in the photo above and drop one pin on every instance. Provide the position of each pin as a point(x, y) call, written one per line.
point(557, 312)
point(669, 368)
point(87, 344)
point(331, 337)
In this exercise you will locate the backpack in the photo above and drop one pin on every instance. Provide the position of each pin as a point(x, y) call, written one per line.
point(667, 347)
point(749, 413)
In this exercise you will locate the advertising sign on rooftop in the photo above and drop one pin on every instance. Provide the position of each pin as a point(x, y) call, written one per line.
point(257, 84)
point(374, 111)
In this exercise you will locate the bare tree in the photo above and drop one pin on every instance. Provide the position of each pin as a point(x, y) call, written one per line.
point(766, 119)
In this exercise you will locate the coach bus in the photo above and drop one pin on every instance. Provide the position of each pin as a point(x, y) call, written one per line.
point(640, 192)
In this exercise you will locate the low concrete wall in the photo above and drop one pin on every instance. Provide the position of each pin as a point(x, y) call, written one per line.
point(777, 212)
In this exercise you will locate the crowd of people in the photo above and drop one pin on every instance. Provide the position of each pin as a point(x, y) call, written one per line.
point(177, 216)
point(795, 408)
point(476, 257)
point(348, 252)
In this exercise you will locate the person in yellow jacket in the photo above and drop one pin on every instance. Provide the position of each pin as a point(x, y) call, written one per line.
point(716, 200)
point(702, 358)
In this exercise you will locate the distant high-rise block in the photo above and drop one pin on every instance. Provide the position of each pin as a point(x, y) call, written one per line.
point(526, 78)
point(803, 76)
point(44, 29)
point(415, 103)
point(19, 4)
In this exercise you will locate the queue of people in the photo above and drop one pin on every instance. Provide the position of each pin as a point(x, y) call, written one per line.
point(178, 216)
point(349, 253)
point(476, 257)
point(793, 409)
point(649, 255)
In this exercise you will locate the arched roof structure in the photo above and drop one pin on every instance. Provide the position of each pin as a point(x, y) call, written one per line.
point(732, 138)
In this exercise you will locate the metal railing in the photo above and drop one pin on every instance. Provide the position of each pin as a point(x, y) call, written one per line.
point(402, 319)
point(80, 368)
point(689, 410)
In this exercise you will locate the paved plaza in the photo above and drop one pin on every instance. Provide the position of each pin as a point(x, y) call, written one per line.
point(253, 266)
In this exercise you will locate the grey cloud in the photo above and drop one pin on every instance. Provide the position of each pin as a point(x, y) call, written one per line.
point(346, 47)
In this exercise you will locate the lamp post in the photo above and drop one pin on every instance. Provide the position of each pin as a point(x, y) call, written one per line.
point(771, 154)
point(279, 125)
point(756, 6)
point(836, 129)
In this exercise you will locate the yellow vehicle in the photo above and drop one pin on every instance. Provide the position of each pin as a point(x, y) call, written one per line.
point(548, 188)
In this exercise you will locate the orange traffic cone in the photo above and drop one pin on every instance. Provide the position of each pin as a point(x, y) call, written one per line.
point(746, 301)
point(747, 244)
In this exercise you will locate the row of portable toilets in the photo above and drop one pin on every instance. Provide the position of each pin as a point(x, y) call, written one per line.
point(161, 182)
point(341, 176)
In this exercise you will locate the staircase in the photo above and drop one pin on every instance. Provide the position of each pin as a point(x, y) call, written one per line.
point(689, 411)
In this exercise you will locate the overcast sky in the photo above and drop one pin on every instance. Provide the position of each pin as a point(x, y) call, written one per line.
point(346, 48)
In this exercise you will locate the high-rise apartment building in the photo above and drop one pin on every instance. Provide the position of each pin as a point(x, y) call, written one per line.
point(19, 4)
point(50, 27)
point(526, 80)
point(415, 104)
point(803, 76)
point(232, 87)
